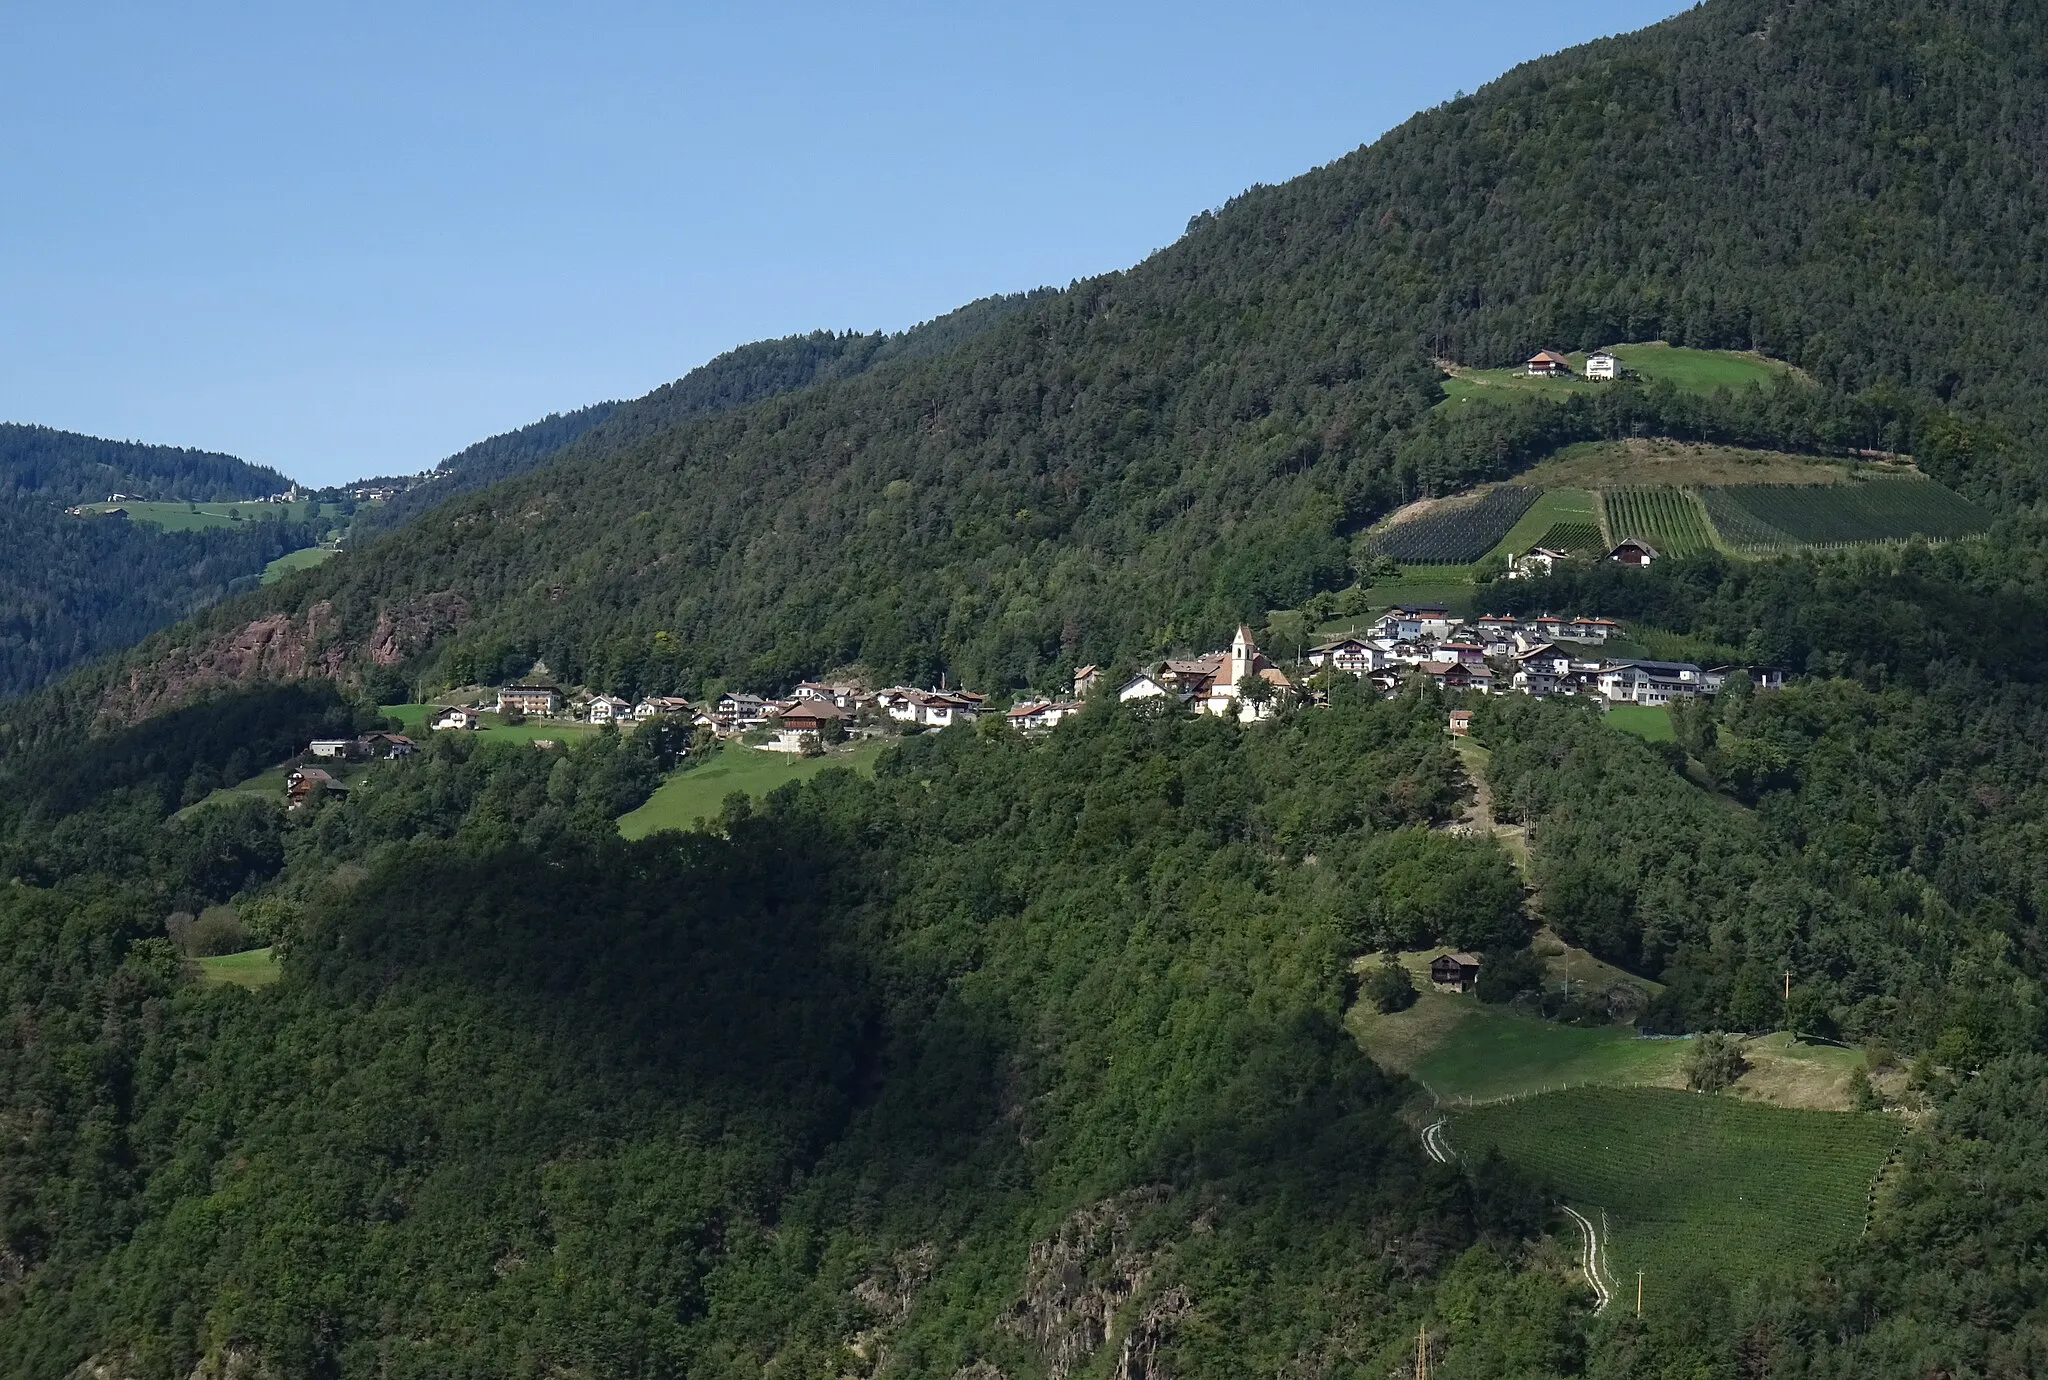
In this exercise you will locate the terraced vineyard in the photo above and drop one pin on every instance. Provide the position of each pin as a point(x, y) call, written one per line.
point(1573, 538)
point(1691, 1183)
point(1671, 520)
point(1769, 517)
point(1456, 536)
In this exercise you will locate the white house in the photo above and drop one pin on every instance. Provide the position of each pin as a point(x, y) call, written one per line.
point(738, 712)
point(1352, 654)
point(932, 708)
point(1537, 560)
point(1601, 365)
point(1651, 682)
point(455, 718)
point(609, 709)
point(331, 747)
point(1146, 686)
point(1033, 717)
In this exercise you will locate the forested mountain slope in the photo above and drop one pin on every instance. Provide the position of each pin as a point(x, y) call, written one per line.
point(73, 589)
point(38, 463)
point(1150, 455)
point(736, 378)
point(1027, 1059)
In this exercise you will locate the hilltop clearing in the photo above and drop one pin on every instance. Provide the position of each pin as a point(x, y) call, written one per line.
point(1689, 370)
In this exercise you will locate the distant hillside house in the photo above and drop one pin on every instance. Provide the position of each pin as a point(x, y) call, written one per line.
point(386, 745)
point(1601, 365)
point(331, 747)
point(1086, 678)
point(1546, 364)
point(1352, 654)
point(736, 713)
point(1033, 717)
point(1461, 722)
point(1458, 972)
point(1146, 686)
point(455, 718)
point(609, 709)
point(1537, 560)
point(309, 783)
point(529, 699)
point(1652, 682)
point(1633, 551)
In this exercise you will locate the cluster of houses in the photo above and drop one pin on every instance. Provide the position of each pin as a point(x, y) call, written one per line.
point(814, 712)
point(1227, 684)
point(1499, 653)
point(1549, 364)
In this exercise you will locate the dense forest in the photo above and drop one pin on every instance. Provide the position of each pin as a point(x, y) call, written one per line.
point(73, 589)
point(736, 378)
point(60, 468)
point(1028, 1059)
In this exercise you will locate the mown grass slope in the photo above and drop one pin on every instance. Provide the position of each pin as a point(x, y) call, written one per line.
point(1692, 1184)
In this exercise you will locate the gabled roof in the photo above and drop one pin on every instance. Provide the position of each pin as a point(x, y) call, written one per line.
point(1549, 357)
point(1636, 542)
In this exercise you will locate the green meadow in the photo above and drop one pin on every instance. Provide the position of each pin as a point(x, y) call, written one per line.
point(1688, 1184)
point(305, 558)
point(253, 968)
point(1695, 371)
point(189, 517)
point(695, 793)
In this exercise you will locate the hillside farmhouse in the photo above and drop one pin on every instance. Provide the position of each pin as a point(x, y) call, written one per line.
point(1603, 366)
point(1549, 364)
point(1633, 551)
point(1457, 972)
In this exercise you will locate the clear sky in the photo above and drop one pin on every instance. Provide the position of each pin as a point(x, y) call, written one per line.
point(350, 239)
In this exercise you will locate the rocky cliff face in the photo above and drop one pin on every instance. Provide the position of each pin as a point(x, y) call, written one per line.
point(1079, 1283)
point(316, 644)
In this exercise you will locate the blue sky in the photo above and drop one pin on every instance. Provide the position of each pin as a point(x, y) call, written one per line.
point(349, 240)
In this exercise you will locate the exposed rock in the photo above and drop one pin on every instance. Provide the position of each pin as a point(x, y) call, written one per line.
point(1140, 1358)
point(1076, 1283)
point(890, 1291)
point(235, 1363)
point(122, 1366)
point(979, 1370)
point(311, 645)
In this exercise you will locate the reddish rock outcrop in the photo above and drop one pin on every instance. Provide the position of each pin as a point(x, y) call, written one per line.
point(314, 645)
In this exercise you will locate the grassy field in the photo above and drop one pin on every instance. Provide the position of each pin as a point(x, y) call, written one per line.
point(305, 558)
point(1648, 721)
point(1656, 462)
point(696, 793)
point(414, 717)
point(267, 784)
point(1697, 371)
point(188, 517)
point(255, 968)
point(1461, 1049)
point(1690, 1183)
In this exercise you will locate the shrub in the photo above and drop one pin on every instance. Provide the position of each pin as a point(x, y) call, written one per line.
point(1389, 988)
point(218, 931)
point(1507, 973)
point(1714, 1063)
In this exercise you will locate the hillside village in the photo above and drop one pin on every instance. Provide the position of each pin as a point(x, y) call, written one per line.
point(1494, 654)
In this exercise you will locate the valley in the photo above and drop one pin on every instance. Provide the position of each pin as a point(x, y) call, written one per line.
point(1254, 814)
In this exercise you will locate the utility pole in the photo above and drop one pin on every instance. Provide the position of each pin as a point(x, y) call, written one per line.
point(1422, 1352)
point(1639, 1294)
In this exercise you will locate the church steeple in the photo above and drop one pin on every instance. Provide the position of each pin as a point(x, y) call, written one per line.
point(1244, 655)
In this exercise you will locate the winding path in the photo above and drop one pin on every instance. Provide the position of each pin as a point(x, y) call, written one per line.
point(1591, 1259)
point(1433, 1143)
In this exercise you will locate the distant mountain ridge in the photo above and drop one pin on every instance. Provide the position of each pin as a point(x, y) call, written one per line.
point(737, 378)
point(42, 464)
point(1141, 460)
